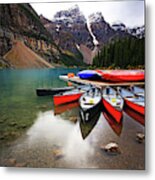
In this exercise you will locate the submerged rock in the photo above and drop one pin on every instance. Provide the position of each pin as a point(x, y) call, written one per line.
point(111, 148)
point(23, 126)
point(21, 165)
point(11, 162)
point(13, 124)
point(2, 137)
point(58, 154)
point(140, 137)
point(44, 106)
point(73, 119)
point(1, 120)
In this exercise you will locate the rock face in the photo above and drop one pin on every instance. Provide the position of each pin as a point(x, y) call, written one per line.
point(74, 22)
point(5, 64)
point(20, 22)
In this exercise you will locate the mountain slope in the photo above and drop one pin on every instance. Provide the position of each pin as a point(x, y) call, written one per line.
point(20, 56)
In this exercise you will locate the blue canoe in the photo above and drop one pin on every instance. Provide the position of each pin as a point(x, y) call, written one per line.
point(89, 74)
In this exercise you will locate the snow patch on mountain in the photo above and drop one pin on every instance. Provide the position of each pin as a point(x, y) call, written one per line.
point(91, 33)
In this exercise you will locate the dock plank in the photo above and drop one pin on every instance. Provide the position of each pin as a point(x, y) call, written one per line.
point(76, 79)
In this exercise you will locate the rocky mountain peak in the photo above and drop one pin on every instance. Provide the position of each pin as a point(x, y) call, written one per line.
point(138, 31)
point(71, 16)
point(119, 26)
point(96, 17)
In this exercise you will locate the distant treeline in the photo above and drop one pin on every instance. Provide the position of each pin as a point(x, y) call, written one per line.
point(122, 53)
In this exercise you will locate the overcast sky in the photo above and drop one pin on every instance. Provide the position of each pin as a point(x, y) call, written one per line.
point(131, 13)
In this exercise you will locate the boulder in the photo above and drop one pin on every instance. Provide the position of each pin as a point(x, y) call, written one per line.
point(140, 137)
point(111, 148)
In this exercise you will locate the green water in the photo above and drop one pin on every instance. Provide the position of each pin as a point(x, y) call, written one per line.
point(19, 104)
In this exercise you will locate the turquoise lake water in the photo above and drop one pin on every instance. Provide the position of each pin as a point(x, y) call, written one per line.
point(18, 99)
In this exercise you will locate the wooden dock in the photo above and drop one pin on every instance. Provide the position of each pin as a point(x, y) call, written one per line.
point(77, 80)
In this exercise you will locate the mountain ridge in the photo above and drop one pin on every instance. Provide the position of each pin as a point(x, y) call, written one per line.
point(71, 23)
point(66, 39)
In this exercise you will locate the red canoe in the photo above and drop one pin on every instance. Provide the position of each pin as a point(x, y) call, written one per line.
point(122, 75)
point(137, 103)
point(136, 106)
point(66, 98)
point(113, 103)
point(69, 96)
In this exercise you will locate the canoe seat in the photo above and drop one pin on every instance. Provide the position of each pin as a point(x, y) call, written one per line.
point(88, 103)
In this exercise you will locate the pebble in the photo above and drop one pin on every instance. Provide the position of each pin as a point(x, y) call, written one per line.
point(111, 148)
point(140, 137)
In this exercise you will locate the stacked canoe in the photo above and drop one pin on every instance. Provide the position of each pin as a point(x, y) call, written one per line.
point(113, 75)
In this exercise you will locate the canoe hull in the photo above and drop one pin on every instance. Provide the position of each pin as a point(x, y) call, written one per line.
point(52, 91)
point(63, 99)
point(116, 114)
point(135, 107)
point(122, 75)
